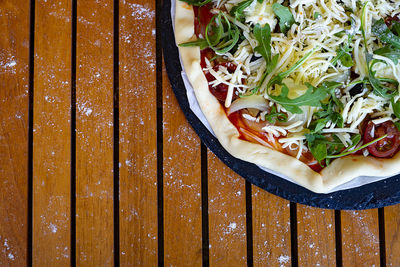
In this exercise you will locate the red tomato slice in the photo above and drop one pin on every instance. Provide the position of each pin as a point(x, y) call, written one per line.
point(386, 147)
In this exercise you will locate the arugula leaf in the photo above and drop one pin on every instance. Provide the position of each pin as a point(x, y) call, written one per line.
point(273, 116)
point(202, 43)
point(348, 152)
point(263, 36)
point(237, 11)
point(330, 87)
point(390, 52)
point(396, 107)
point(379, 89)
point(312, 97)
point(344, 52)
point(323, 149)
point(197, 2)
point(221, 35)
point(286, 19)
point(381, 30)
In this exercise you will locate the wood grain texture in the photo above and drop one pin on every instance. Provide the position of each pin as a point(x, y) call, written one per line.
point(316, 236)
point(392, 235)
point(94, 134)
point(271, 229)
point(182, 185)
point(227, 215)
point(138, 134)
point(14, 72)
point(360, 238)
point(52, 134)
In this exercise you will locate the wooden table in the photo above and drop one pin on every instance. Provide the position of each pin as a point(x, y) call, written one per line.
point(98, 166)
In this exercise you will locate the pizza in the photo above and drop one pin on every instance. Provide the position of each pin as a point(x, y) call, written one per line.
point(306, 88)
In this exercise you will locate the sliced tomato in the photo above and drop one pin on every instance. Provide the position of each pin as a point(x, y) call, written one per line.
point(386, 147)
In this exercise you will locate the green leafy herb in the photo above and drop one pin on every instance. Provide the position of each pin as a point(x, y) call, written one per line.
point(381, 30)
point(237, 11)
point(317, 15)
point(330, 88)
point(263, 36)
point(312, 97)
point(390, 52)
point(221, 35)
point(379, 88)
point(396, 107)
point(273, 116)
point(197, 2)
point(348, 152)
point(286, 19)
point(326, 149)
point(344, 52)
point(202, 43)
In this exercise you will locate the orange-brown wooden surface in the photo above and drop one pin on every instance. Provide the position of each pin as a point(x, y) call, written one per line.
point(182, 185)
point(52, 134)
point(316, 236)
point(360, 238)
point(271, 229)
point(173, 155)
point(392, 235)
point(14, 72)
point(138, 140)
point(94, 134)
point(227, 215)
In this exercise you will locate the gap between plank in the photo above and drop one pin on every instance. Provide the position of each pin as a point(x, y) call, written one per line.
point(382, 240)
point(204, 207)
point(160, 160)
point(73, 132)
point(338, 238)
point(293, 234)
point(249, 224)
point(116, 133)
point(30, 131)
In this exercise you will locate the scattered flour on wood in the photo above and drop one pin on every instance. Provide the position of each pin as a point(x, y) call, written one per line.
point(283, 259)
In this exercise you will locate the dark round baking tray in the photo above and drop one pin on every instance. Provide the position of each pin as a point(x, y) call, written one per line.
point(373, 195)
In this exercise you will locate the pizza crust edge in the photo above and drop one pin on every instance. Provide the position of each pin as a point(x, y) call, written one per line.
point(337, 173)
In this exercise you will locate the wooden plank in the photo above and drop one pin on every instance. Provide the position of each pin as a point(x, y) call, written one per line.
point(182, 185)
point(360, 238)
point(14, 72)
point(316, 236)
point(138, 140)
point(52, 134)
point(227, 215)
point(392, 235)
point(94, 134)
point(271, 229)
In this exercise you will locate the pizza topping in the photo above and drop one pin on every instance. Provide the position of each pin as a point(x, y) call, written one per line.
point(306, 77)
point(387, 146)
point(253, 102)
